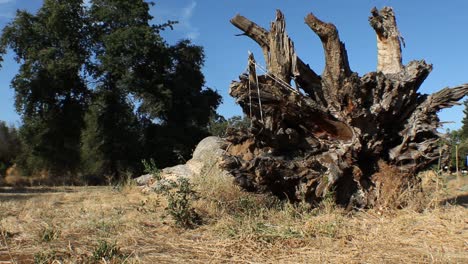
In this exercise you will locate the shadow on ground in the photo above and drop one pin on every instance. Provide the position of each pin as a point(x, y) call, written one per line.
point(457, 200)
point(23, 193)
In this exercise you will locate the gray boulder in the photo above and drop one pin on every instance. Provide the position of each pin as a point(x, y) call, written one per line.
point(144, 180)
point(205, 159)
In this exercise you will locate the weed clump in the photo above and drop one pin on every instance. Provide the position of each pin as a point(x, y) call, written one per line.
point(151, 168)
point(180, 194)
point(44, 257)
point(106, 251)
point(48, 234)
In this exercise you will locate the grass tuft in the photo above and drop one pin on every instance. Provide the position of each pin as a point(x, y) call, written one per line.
point(44, 257)
point(48, 234)
point(106, 251)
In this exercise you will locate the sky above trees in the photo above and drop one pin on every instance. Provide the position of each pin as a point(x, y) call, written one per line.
point(432, 30)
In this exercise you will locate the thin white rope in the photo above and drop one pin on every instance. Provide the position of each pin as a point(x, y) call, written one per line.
point(246, 71)
point(280, 81)
point(250, 104)
point(259, 97)
point(276, 79)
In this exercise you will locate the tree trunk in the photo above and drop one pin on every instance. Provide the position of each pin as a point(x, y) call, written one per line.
point(334, 132)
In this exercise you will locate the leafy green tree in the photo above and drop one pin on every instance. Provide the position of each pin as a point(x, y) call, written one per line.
point(455, 140)
point(459, 138)
point(120, 34)
point(186, 117)
point(10, 146)
point(166, 81)
point(463, 153)
point(218, 125)
point(463, 148)
point(190, 104)
point(464, 128)
point(110, 140)
point(50, 92)
point(98, 86)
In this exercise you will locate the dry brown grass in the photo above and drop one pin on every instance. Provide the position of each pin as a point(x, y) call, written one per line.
point(14, 178)
point(238, 227)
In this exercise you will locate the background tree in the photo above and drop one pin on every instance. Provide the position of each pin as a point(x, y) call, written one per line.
point(183, 122)
point(464, 128)
point(165, 81)
point(142, 97)
point(459, 138)
point(50, 93)
point(120, 35)
point(10, 146)
point(463, 151)
point(462, 154)
point(219, 126)
point(110, 140)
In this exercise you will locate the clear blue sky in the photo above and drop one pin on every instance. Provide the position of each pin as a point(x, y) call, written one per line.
point(433, 30)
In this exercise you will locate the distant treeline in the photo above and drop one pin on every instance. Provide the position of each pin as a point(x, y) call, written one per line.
point(99, 90)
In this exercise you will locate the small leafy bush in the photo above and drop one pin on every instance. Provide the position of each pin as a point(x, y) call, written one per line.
point(151, 168)
point(44, 258)
point(180, 194)
point(48, 234)
point(106, 251)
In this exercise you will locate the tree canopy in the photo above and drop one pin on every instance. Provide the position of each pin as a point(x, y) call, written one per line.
point(464, 128)
point(50, 91)
point(10, 146)
point(98, 88)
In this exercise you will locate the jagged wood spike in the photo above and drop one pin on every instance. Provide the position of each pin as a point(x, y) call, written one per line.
point(388, 40)
point(305, 77)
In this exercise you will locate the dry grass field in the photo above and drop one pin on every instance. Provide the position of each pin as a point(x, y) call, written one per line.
point(120, 224)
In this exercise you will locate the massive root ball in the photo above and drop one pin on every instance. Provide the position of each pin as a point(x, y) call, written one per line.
point(332, 132)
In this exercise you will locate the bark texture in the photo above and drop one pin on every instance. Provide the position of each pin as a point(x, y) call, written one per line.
point(333, 132)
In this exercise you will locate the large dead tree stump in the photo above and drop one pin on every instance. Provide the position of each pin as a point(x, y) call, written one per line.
point(333, 132)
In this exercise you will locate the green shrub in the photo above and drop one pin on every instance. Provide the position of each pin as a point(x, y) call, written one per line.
point(218, 125)
point(180, 194)
point(48, 234)
point(106, 251)
point(10, 146)
point(44, 257)
point(151, 168)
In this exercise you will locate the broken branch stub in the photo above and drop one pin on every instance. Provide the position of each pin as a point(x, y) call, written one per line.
point(388, 40)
